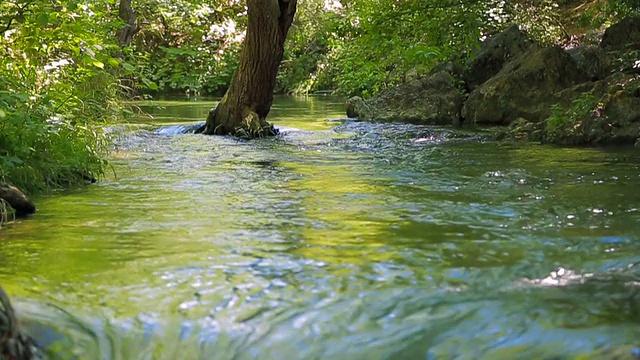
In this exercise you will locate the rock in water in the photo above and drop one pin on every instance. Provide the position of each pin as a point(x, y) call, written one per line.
point(613, 120)
point(525, 88)
point(17, 200)
point(430, 100)
point(14, 344)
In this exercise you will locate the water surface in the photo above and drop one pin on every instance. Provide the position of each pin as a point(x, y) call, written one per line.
point(335, 240)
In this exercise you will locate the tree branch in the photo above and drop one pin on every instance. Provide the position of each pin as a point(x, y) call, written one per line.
point(19, 13)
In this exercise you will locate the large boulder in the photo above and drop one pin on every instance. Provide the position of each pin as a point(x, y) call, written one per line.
point(606, 112)
point(358, 108)
point(624, 35)
point(525, 88)
point(612, 117)
point(592, 60)
point(431, 100)
point(495, 53)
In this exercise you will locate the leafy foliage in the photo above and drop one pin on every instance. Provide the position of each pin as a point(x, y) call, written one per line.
point(562, 118)
point(188, 46)
point(346, 47)
point(596, 14)
point(56, 92)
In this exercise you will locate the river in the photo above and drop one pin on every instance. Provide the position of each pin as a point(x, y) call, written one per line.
point(335, 240)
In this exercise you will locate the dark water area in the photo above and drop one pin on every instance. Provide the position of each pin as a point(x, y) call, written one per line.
point(335, 240)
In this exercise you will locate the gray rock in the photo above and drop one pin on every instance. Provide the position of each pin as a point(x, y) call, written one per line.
point(523, 130)
point(524, 88)
point(432, 99)
point(613, 120)
point(593, 61)
point(495, 53)
point(357, 108)
point(624, 35)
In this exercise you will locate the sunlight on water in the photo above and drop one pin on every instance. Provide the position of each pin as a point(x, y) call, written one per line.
point(335, 240)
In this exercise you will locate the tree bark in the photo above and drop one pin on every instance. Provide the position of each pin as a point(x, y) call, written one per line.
point(131, 27)
point(244, 108)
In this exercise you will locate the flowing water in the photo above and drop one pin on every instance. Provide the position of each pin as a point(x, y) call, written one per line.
point(335, 240)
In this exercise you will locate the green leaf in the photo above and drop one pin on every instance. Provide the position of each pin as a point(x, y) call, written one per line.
point(150, 84)
point(2, 114)
point(128, 67)
point(113, 62)
point(98, 64)
point(43, 19)
point(14, 159)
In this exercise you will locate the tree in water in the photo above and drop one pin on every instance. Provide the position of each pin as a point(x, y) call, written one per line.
point(244, 108)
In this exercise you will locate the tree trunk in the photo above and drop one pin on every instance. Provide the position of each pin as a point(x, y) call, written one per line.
point(131, 27)
point(244, 108)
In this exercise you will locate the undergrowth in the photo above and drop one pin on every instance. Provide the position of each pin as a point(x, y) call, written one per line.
point(58, 91)
point(563, 118)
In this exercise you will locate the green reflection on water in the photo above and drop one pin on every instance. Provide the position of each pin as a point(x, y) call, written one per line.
point(351, 235)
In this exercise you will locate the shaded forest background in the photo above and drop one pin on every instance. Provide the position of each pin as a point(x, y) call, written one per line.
point(355, 47)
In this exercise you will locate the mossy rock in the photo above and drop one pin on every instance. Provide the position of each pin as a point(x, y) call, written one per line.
point(525, 88)
point(614, 118)
point(430, 100)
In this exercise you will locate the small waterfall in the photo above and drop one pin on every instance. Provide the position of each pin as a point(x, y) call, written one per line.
point(179, 129)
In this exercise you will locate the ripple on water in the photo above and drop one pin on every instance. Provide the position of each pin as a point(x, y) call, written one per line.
point(338, 240)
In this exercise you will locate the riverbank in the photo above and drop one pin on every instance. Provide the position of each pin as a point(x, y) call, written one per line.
point(572, 95)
